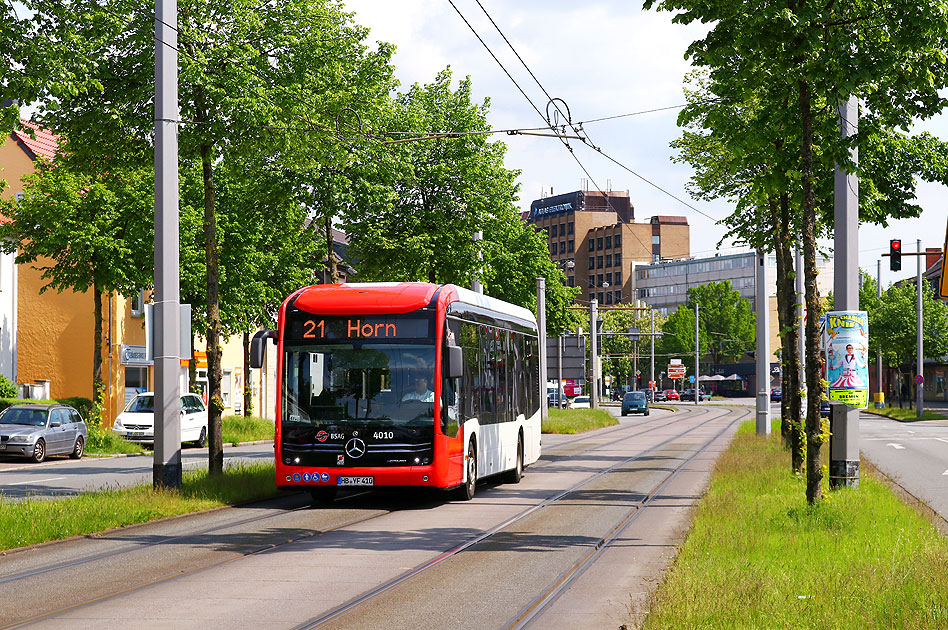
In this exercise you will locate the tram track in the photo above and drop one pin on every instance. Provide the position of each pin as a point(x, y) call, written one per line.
point(554, 456)
point(340, 613)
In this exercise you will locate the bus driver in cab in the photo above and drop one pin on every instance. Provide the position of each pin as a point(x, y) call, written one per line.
point(420, 391)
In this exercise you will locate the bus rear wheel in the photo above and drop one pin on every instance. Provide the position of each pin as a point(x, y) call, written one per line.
point(516, 474)
point(466, 491)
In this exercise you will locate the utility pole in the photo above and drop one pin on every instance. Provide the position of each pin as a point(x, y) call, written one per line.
point(541, 325)
point(559, 372)
point(844, 424)
point(920, 369)
point(697, 347)
point(879, 396)
point(166, 469)
point(476, 286)
point(801, 337)
point(594, 356)
point(762, 352)
point(651, 371)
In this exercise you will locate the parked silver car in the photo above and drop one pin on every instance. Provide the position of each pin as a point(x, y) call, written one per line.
point(36, 431)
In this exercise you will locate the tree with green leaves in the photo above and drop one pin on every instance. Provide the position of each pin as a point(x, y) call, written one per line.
point(92, 223)
point(434, 193)
point(726, 324)
point(795, 62)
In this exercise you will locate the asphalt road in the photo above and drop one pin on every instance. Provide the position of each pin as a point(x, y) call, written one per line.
point(913, 454)
point(618, 497)
point(61, 476)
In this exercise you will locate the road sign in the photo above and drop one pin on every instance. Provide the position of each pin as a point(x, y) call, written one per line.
point(691, 379)
point(676, 371)
point(919, 379)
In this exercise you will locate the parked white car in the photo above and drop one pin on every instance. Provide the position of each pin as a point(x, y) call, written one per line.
point(580, 402)
point(137, 422)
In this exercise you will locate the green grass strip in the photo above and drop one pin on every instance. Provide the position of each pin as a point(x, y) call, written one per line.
point(34, 521)
point(904, 414)
point(239, 429)
point(577, 420)
point(758, 557)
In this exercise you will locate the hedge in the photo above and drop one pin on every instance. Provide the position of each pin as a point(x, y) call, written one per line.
point(82, 405)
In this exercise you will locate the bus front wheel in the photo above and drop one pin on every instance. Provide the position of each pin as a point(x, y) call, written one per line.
point(466, 491)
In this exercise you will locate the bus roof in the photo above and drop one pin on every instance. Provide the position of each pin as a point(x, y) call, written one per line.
point(393, 297)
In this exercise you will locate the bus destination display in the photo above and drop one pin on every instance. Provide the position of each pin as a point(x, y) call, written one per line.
point(317, 328)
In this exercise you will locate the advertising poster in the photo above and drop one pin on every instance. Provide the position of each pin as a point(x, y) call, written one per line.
point(847, 342)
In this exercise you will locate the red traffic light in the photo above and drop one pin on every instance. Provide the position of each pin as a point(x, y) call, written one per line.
point(895, 244)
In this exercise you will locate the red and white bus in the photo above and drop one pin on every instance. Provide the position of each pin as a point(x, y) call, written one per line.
point(402, 384)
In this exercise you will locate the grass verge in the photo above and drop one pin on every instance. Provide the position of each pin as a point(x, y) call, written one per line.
point(104, 442)
point(758, 557)
point(35, 520)
point(577, 420)
point(239, 429)
point(904, 414)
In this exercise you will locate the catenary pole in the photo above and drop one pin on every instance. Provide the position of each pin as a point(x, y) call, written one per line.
point(167, 459)
point(844, 427)
point(594, 353)
point(880, 400)
point(762, 352)
point(541, 324)
point(920, 368)
point(651, 370)
point(697, 365)
point(801, 338)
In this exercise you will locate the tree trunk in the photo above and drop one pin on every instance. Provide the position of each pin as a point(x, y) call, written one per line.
point(332, 271)
point(814, 382)
point(98, 388)
point(793, 336)
point(215, 404)
point(248, 391)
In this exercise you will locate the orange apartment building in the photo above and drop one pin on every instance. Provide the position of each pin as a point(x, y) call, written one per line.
point(595, 239)
point(46, 339)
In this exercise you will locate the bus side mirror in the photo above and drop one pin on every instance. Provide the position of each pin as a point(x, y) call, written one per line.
point(258, 347)
point(455, 363)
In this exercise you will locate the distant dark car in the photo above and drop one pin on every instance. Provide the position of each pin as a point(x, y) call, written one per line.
point(776, 394)
point(35, 431)
point(689, 394)
point(635, 402)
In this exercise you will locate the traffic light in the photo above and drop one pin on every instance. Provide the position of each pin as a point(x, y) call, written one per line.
point(895, 254)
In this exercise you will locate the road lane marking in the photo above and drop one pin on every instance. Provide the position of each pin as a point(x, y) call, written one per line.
point(20, 483)
point(944, 473)
point(895, 446)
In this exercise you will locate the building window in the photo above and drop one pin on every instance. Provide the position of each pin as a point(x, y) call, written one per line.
point(618, 240)
point(618, 277)
point(572, 281)
point(562, 247)
point(592, 243)
point(226, 388)
point(656, 239)
point(570, 245)
point(569, 228)
point(598, 262)
point(609, 278)
point(617, 259)
point(608, 260)
point(553, 230)
point(592, 282)
point(600, 297)
point(592, 262)
point(562, 229)
point(599, 243)
point(618, 296)
point(599, 280)
point(609, 242)
point(137, 304)
point(552, 249)
point(608, 297)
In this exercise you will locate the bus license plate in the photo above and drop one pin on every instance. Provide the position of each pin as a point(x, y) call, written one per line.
point(355, 481)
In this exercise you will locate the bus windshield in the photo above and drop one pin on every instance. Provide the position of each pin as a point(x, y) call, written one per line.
point(362, 384)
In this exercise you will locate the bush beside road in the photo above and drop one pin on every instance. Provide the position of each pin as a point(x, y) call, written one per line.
point(758, 557)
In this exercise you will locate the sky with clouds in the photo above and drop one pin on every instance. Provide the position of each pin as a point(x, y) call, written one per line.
point(603, 58)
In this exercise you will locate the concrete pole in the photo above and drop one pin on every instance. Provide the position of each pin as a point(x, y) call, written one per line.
point(541, 324)
point(762, 353)
point(651, 370)
point(844, 423)
point(801, 337)
point(559, 371)
point(166, 470)
point(879, 346)
point(697, 365)
point(920, 368)
point(594, 353)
